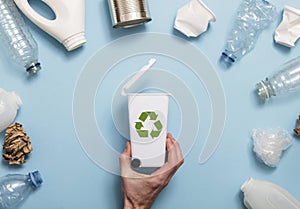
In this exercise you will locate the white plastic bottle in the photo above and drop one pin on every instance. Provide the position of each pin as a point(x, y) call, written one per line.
point(68, 25)
point(10, 102)
point(266, 195)
point(16, 39)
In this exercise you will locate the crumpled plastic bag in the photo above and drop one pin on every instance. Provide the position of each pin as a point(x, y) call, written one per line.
point(269, 144)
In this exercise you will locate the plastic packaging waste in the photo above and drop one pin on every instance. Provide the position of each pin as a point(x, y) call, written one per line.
point(10, 102)
point(269, 144)
point(252, 18)
point(267, 195)
point(288, 31)
point(16, 39)
point(193, 18)
point(15, 188)
point(68, 25)
point(285, 80)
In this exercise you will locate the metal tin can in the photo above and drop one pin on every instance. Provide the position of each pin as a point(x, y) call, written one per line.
point(129, 13)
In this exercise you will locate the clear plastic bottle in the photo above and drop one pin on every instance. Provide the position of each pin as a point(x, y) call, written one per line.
point(285, 80)
point(15, 188)
point(252, 17)
point(16, 39)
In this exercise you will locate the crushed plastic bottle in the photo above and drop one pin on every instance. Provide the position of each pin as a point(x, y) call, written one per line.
point(252, 18)
point(15, 188)
point(267, 195)
point(10, 102)
point(269, 144)
point(16, 39)
point(284, 81)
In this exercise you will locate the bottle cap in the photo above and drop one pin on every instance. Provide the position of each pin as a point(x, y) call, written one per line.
point(262, 90)
point(75, 41)
point(36, 178)
point(33, 67)
point(227, 57)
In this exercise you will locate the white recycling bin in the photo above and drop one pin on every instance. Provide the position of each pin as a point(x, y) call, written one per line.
point(148, 120)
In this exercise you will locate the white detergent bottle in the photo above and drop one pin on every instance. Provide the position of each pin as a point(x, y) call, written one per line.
point(10, 102)
point(266, 195)
point(68, 25)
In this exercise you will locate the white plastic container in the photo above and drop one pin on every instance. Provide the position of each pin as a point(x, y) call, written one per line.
point(288, 31)
point(148, 119)
point(193, 18)
point(68, 25)
point(10, 102)
point(266, 195)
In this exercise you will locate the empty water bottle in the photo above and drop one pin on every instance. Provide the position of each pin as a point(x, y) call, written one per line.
point(15, 188)
point(16, 39)
point(285, 80)
point(252, 17)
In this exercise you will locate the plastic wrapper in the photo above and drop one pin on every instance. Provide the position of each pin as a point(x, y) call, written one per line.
point(269, 144)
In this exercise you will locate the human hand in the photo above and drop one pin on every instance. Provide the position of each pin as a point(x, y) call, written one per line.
point(140, 190)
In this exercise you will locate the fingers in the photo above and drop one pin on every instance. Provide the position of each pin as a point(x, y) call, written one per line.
point(125, 156)
point(177, 147)
point(175, 158)
point(125, 160)
point(127, 150)
point(172, 152)
point(169, 143)
point(125, 164)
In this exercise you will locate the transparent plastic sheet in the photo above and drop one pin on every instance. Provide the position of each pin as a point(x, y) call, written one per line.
point(269, 144)
point(253, 16)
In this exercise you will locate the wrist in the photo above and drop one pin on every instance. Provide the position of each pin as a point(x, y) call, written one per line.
point(131, 205)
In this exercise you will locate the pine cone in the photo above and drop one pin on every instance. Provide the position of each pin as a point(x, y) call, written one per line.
point(297, 129)
point(16, 144)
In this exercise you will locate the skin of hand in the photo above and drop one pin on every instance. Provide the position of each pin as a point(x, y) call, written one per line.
point(140, 190)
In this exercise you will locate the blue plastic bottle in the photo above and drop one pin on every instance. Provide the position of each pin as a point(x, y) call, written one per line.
point(15, 188)
point(253, 16)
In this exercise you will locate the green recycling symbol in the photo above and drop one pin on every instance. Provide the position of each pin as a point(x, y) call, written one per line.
point(157, 125)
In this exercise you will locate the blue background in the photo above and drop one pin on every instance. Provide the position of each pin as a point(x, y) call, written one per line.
point(72, 180)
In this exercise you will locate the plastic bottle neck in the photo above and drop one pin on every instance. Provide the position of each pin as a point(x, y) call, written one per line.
point(264, 89)
point(33, 67)
point(35, 178)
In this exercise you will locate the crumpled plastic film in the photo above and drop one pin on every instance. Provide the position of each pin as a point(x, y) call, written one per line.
point(269, 144)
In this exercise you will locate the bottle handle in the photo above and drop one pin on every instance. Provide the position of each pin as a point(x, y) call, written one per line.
point(29, 12)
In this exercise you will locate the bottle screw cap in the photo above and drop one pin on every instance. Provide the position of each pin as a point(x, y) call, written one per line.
point(36, 178)
point(262, 90)
point(33, 67)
